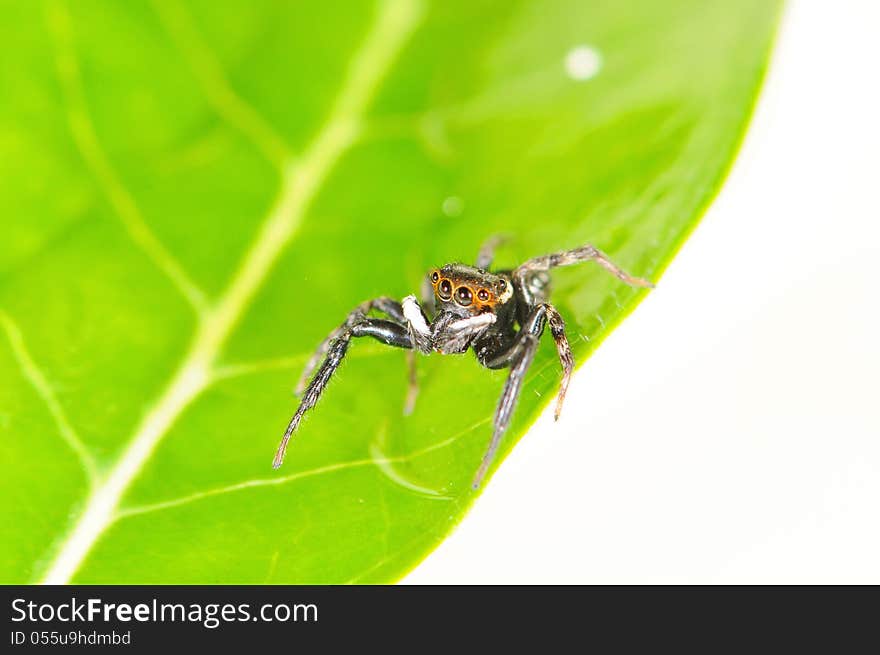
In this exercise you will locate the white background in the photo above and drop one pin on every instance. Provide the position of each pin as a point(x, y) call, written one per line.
point(729, 430)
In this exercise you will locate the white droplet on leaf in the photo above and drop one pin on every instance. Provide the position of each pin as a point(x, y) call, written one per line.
point(453, 206)
point(582, 62)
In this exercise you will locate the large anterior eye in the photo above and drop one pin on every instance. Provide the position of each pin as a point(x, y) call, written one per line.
point(444, 289)
point(464, 296)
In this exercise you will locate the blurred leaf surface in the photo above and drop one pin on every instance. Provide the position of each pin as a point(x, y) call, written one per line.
point(195, 193)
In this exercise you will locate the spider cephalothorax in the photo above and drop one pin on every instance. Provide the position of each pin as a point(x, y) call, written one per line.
point(499, 315)
point(471, 288)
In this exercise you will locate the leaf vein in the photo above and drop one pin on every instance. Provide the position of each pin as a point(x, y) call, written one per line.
point(89, 147)
point(303, 179)
point(226, 102)
point(44, 390)
point(373, 460)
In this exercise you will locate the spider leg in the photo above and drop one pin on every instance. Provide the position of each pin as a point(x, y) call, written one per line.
point(456, 336)
point(519, 356)
point(563, 349)
point(487, 250)
point(418, 326)
point(426, 294)
point(387, 306)
point(388, 332)
point(586, 253)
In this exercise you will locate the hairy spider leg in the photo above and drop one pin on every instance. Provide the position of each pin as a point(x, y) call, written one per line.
point(384, 304)
point(388, 332)
point(585, 253)
point(487, 250)
point(456, 336)
point(518, 357)
point(563, 349)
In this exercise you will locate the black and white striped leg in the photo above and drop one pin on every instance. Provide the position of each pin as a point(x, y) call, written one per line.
point(387, 306)
point(563, 349)
point(388, 332)
point(585, 253)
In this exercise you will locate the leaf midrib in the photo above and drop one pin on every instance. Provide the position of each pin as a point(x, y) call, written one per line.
point(301, 180)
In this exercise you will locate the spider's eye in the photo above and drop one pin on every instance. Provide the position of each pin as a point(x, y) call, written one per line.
point(464, 296)
point(483, 295)
point(444, 289)
point(435, 276)
point(501, 285)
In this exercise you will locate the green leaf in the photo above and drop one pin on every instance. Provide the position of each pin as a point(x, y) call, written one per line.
point(196, 193)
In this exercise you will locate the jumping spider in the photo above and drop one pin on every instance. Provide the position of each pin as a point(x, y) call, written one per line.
point(471, 308)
